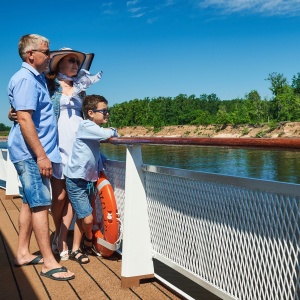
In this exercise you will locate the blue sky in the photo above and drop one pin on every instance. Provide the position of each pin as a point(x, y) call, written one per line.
point(162, 48)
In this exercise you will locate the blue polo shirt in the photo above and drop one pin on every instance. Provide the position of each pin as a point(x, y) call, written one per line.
point(27, 90)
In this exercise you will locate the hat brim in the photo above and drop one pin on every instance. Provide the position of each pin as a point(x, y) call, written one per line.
point(88, 61)
point(56, 56)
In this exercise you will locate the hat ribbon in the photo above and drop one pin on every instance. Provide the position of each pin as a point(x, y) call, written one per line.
point(82, 80)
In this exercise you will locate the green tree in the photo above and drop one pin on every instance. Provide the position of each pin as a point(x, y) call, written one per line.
point(201, 117)
point(253, 104)
point(4, 127)
point(222, 116)
point(296, 83)
point(288, 104)
point(277, 81)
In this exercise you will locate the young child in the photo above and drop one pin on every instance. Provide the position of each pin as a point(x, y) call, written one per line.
point(83, 168)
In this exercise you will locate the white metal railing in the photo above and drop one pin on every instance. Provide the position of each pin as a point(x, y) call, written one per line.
point(237, 237)
point(7, 171)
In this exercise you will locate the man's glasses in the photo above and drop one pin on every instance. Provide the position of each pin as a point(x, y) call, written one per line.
point(102, 111)
point(73, 60)
point(45, 52)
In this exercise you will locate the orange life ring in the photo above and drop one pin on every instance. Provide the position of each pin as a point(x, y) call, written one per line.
point(106, 233)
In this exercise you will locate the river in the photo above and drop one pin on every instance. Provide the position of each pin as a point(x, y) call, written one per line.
point(276, 165)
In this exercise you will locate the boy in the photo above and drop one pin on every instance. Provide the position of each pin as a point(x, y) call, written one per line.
point(83, 168)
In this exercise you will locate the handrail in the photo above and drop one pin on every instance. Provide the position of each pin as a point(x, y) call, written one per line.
point(276, 143)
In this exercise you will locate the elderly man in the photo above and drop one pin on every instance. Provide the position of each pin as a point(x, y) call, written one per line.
point(32, 146)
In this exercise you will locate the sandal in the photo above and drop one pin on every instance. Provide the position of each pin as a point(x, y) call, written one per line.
point(80, 258)
point(89, 249)
point(64, 255)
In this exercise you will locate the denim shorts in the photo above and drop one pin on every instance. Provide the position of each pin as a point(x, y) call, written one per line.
point(36, 188)
point(80, 193)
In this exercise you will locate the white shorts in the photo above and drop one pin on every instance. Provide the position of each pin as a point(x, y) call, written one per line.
point(57, 171)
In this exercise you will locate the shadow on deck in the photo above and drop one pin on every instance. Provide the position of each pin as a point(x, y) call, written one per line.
point(100, 279)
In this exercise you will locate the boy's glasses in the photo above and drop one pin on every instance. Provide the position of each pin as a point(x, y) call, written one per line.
point(102, 111)
point(72, 60)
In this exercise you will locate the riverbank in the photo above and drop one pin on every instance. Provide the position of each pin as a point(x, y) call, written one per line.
point(282, 130)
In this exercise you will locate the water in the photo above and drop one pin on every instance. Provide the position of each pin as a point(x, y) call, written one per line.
point(277, 165)
point(3, 145)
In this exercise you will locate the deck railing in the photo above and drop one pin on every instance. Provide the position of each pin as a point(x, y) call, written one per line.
point(237, 237)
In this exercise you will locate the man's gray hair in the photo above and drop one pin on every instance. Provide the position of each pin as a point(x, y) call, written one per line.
point(30, 42)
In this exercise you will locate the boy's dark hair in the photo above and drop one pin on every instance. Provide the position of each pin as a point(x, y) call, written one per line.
point(90, 102)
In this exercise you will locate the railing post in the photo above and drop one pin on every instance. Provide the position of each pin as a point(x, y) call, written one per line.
point(137, 260)
point(11, 178)
point(3, 156)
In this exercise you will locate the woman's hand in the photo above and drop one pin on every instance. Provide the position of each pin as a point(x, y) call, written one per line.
point(12, 115)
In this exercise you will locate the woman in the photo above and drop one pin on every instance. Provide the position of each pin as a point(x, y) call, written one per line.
point(67, 82)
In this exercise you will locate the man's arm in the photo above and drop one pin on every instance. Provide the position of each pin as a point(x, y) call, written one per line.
point(31, 137)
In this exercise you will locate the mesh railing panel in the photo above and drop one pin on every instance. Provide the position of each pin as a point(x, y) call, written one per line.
point(115, 171)
point(242, 240)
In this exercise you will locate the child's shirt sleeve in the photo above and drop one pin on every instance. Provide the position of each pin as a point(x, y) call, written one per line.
point(91, 131)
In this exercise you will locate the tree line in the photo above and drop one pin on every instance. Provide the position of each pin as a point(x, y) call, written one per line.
point(4, 129)
point(209, 109)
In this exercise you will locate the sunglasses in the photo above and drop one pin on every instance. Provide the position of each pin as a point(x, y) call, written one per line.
point(102, 111)
point(73, 60)
point(45, 52)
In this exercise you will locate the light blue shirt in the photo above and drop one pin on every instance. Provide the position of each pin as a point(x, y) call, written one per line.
point(85, 161)
point(27, 90)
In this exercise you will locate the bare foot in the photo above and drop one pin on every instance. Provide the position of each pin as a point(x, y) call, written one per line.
point(58, 272)
point(29, 259)
point(61, 273)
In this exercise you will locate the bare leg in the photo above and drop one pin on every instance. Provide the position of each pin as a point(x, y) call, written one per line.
point(88, 246)
point(67, 217)
point(58, 202)
point(25, 230)
point(87, 225)
point(40, 225)
point(62, 212)
point(78, 232)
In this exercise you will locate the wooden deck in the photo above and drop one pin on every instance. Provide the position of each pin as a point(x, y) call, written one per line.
point(100, 279)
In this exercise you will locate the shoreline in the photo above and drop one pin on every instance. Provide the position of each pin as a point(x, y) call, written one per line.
point(281, 130)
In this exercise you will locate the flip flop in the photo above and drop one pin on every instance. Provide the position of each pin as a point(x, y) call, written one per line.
point(50, 273)
point(35, 261)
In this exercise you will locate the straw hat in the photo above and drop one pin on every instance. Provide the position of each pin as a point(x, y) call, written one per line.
point(84, 58)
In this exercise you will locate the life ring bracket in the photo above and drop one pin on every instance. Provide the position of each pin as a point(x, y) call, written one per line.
point(108, 245)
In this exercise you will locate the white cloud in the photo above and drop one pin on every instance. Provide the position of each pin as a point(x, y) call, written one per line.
point(107, 4)
point(134, 9)
point(152, 20)
point(268, 7)
point(138, 15)
point(133, 2)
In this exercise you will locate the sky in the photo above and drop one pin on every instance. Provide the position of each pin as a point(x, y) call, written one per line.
point(162, 48)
